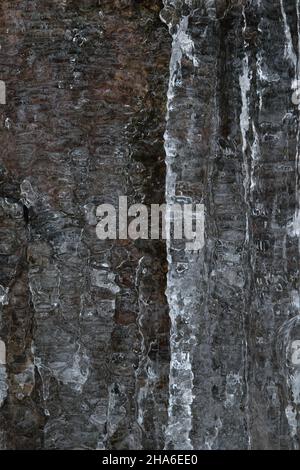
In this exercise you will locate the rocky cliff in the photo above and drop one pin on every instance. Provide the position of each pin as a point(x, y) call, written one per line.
point(123, 344)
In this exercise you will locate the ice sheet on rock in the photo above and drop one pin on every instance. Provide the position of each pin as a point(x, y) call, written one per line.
point(74, 371)
point(180, 291)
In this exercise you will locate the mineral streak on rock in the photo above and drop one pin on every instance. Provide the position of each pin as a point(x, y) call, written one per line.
point(144, 344)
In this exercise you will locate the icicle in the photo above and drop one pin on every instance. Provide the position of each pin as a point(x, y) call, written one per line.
point(178, 291)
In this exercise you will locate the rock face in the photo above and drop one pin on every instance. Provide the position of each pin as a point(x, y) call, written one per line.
point(122, 344)
point(85, 322)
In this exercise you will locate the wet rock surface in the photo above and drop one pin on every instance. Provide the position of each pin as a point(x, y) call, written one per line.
point(143, 344)
point(85, 322)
